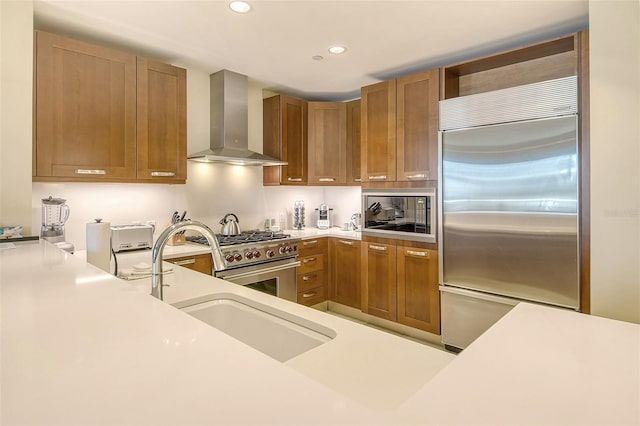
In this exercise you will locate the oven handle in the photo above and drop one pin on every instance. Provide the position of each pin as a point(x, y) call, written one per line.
point(263, 271)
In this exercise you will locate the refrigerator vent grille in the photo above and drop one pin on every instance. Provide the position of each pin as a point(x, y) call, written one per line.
point(550, 98)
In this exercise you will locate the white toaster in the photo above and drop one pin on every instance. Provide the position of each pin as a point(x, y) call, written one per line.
point(131, 237)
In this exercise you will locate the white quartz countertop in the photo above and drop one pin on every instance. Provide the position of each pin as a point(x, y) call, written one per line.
point(79, 346)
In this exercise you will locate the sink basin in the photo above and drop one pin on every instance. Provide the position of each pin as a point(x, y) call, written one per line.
point(273, 332)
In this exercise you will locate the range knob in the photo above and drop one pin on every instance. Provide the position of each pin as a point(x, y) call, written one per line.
point(256, 254)
point(248, 255)
point(270, 253)
point(229, 258)
point(282, 249)
point(237, 257)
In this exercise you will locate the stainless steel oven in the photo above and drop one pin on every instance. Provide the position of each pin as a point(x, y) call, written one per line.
point(277, 278)
point(407, 214)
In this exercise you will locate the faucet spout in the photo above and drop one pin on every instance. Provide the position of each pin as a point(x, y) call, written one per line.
point(161, 242)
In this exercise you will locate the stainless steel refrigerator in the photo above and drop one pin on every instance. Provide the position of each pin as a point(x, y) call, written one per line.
point(508, 209)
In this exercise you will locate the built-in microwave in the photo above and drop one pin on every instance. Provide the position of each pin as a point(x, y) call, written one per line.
point(406, 214)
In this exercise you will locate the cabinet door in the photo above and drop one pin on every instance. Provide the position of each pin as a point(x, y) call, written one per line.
point(162, 122)
point(418, 296)
point(271, 143)
point(344, 263)
point(417, 126)
point(201, 263)
point(327, 143)
point(294, 140)
point(353, 142)
point(379, 280)
point(378, 127)
point(85, 112)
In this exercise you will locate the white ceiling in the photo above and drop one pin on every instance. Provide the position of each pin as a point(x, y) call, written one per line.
point(275, 42)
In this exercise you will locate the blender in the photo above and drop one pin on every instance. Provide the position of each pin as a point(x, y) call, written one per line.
point(54, 215)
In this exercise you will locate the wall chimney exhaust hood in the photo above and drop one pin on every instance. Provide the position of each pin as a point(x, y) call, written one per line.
point(229, 124)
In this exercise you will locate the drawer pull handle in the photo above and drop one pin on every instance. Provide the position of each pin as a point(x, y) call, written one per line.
point(91, 172)
point(162, 174)
point(358, 180)
point(311, 259)
point(185, 262)
point(294, 179)
point(309, 294)
point(308, 243)
point(349, 243)
point(308, 277)
point(417, 176)
point(379, 248)
point(327, 179)
point(380, 177)
point(417, 253)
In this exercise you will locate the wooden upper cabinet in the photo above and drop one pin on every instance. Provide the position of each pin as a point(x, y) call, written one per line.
point(85, 111)
point(285, 137)
point(379, 280)
point(418, 295)
point(417, 126)
point(162, 121)
point(378, 132)
point(353, 142)
point(344, 278)
point(327, 143)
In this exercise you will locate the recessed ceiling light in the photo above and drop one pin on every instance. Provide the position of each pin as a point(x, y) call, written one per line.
point(317, 57)
point(337, 49)
point(240, 6)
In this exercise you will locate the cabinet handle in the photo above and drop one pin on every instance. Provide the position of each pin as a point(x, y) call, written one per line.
point(417, 176)
point(327, 179)
point(380, 177)
point(185, 262)
point(91, 172)
point(309, 294)
point(379, 248)
point(294, 179)
point(349, 243)
point(311, 259)
point(357, 180)
point(308, 277)
point(308, 243)
point(417, 253)
point(162, 174)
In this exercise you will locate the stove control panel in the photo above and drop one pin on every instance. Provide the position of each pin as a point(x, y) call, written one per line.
point(247, 254)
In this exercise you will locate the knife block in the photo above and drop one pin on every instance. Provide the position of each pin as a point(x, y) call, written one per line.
point(177, 240)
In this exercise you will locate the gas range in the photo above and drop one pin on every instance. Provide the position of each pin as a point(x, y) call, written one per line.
point(252, 247)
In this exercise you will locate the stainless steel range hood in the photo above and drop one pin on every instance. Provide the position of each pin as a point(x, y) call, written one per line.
point(229, 124)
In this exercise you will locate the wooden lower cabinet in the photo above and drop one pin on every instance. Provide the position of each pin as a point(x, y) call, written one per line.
point(311, 279)
point(344, 272)
point(200, 263)
point(418, 295)
point(379, 280)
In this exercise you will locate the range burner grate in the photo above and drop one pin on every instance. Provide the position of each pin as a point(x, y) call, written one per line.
point(245, 237)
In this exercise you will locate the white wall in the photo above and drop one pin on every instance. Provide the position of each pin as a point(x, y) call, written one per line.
point(615, 158)
point(16, 59)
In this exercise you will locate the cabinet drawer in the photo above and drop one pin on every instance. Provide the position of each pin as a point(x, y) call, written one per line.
point(314, 246)
point(315, 262)
point(312, 296)
point(311, 280)
point(200, 263)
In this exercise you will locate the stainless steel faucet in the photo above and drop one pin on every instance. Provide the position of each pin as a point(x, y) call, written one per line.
point(158, 248)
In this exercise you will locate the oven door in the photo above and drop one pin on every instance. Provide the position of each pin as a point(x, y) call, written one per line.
point(277, 278)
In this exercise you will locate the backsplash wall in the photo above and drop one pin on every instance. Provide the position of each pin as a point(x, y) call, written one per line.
point(211, 191)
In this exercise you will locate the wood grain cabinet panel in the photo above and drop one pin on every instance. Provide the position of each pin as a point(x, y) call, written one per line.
point(327, 143)
point(418, 295)
point(162, 121)
point(353, 142)
point(285, 137)
point(417, 126)
point(379, 280)
point(344, 265)
point(85, 110)
point(378, 132)
point(200, 263)
point(311, 279)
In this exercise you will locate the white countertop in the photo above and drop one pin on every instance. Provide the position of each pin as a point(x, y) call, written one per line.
point(82, 347)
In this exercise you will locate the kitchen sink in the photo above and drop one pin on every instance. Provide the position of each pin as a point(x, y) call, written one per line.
point(276, 333)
